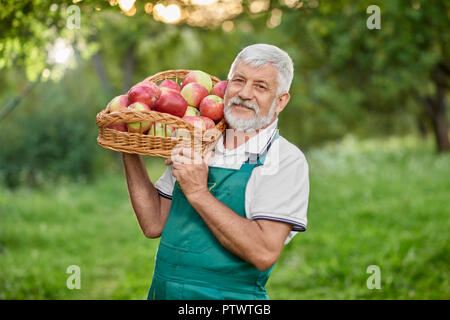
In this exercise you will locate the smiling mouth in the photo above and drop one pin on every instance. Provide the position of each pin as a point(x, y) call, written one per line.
point(241, 106)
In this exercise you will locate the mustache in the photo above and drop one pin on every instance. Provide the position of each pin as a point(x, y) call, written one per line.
point(244, 103)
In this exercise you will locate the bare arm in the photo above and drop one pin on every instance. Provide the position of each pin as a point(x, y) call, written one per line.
point(150, 208)
point(258, 242)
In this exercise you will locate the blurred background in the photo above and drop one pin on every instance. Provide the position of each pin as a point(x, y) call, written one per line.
point(368, 108)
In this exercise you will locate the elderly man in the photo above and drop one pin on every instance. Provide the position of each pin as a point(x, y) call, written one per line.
point(223, 221)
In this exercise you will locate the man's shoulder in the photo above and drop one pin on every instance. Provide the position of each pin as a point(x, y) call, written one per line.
point(287, 151)
point(283, 160)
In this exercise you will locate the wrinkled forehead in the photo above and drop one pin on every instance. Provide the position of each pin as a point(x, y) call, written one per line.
point(267, 72)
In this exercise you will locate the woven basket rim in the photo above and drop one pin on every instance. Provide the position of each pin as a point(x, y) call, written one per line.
point(178, 73)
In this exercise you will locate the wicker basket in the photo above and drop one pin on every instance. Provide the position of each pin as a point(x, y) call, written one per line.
point(138, 143)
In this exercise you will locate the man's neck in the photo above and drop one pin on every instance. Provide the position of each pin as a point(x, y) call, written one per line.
point(234, 138)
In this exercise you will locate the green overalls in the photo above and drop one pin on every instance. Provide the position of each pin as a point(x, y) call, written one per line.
point(191, 263)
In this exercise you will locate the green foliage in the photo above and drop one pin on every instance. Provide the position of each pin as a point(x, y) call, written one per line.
point(375, 202)
point(52, 135)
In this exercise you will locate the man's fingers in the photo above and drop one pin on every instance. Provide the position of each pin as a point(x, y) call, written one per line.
point(177, 159)
point(189, 153)
point(186, 156)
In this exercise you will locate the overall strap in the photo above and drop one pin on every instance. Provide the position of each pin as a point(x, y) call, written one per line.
point(258, 159)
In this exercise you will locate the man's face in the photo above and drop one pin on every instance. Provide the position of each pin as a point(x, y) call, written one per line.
point(250, 99)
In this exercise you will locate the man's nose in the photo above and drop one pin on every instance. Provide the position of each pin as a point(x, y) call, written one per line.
point(246, 92)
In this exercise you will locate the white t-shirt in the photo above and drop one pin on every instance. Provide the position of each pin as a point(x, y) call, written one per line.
point(277, 190)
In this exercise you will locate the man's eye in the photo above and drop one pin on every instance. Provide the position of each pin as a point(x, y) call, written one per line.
point(238, 80)
point(261, 87)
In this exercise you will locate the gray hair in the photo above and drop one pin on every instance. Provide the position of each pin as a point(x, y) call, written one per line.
point(261, 54)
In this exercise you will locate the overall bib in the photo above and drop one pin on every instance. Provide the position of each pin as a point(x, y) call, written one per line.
point(191, 263)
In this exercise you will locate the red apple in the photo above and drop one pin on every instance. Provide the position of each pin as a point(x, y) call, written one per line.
point(194, 93)
point(116, 104)
point(192, 111)
point(219, 89)
point(145, 92)
point(162, 89)
point(170, 84)
point(208, 122)
point(195, 121)
point(200, 77)
point(212, 107)
point(138, 127)
point(172, 102)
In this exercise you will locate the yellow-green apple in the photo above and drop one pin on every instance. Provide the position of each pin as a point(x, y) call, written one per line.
point(194, 93)
point(209, 123)
point(200, 77)
point(157, 129)
point(192, 111)
point(170, 84)
point(196, 121)
point(212, 107)
point(172, 102)
point(138, 127)
point(117, 104)
point(219, 89)
point(145, 92)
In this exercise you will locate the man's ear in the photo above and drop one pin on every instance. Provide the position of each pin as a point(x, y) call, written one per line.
point(283, 100)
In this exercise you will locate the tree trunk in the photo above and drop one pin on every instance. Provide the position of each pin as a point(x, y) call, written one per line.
point(435, 107)
point(129, 64)
point(422, 121)
point(97, 61)
point(18, 99)
point(99, 66)
point(436, 110)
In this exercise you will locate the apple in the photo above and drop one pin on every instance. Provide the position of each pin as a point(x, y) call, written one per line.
point(170, 84)
point(196, 121)
point(212, 107)
point(138, 127)
point(116, 104)
point(208, 122)
point(219, 89)
point(200, 77)
point(192, 111)
point(172, 102)
point(158, 130)
point(194, 93)
point(145, 92)
point(162, 89)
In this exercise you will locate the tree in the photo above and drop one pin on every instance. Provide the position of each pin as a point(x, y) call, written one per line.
point(406, 60)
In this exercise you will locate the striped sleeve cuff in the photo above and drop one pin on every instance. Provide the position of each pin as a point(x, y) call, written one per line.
point(164, 195)
point(297, 226)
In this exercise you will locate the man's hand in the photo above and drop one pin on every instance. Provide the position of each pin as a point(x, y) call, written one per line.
point(190, 169)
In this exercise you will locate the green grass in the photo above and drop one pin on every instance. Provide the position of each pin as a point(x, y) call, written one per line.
point(383, 203)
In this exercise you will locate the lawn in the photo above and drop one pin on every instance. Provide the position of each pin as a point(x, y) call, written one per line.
point(376, 202)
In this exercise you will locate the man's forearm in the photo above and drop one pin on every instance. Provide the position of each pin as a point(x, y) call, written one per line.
point(241, 236)
point(143, 195)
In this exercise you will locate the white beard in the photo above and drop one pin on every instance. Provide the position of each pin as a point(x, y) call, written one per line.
point(255, 123)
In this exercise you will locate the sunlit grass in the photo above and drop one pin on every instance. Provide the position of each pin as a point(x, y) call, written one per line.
point(375, 202)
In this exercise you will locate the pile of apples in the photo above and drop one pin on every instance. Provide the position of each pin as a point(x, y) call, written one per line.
point(196, 101)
